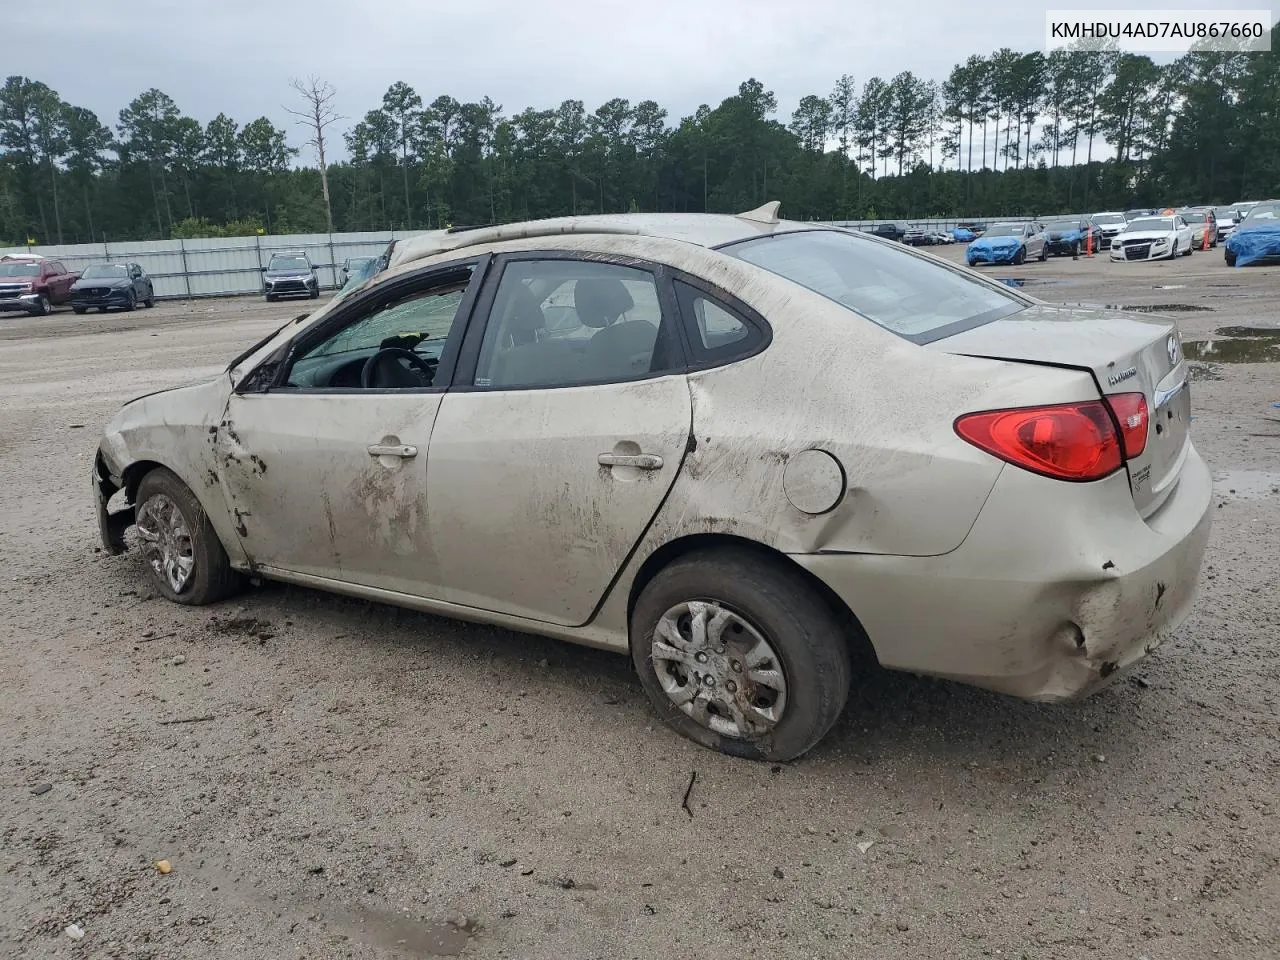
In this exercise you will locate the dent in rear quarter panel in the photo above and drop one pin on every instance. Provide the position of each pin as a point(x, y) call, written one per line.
point(177, 429)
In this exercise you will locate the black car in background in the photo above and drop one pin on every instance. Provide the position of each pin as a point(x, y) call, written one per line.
point(890, 230)
point(105, 285)
point(1071, 236)
point(290, 275)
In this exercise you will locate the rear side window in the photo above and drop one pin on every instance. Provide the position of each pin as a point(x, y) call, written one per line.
point(906, 294)
point(716, 332)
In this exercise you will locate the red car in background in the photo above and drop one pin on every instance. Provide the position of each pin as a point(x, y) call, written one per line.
point(34, 284)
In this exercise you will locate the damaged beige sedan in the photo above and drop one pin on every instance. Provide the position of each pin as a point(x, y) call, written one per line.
point(750, 453)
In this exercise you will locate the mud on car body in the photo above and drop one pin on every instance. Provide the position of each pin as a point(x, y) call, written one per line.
point(612, 430)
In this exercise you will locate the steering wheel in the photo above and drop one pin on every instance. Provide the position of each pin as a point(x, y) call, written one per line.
point(398, 353)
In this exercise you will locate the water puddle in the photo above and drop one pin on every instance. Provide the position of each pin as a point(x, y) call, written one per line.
point(1246, 484)
point(1031, 282)
point(1160, 308)
point(1232, 351)
point(1268, 332)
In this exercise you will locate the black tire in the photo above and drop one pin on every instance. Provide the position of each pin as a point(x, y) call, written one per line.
point(43, 307)
point(211, 578)
point(1020, 257)
point(806, 634)
point(132, 303)
point(1044, 252)
point(315, 294)
point(270, 298)
point(79, 310)
point(1191, 248)
point(1229, 257)
point(150, 301)
point(1075, 250)
point(102, 309)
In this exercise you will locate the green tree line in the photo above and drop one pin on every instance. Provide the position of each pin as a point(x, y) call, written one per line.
point(1006, 134)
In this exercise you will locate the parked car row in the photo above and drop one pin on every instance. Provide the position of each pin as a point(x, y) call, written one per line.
point(36, 284)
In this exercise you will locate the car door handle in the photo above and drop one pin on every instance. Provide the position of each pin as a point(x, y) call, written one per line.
point(402, 450)
point(641, 461)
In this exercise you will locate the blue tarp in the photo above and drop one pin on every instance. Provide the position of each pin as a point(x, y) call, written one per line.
point(1066, 236)
point(992, 250)
point(963, 235)
point(1259, 243)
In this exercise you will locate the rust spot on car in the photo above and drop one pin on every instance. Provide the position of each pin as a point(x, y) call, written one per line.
point(1160, 591)
point(1107, 669)
point(1109, 565)
point(212, 478)
point(259, 466)
point(240, 527)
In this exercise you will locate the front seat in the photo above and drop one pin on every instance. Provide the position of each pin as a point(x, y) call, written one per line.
point(617, 350)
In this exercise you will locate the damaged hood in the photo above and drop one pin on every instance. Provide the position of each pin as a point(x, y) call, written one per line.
point(189, 384)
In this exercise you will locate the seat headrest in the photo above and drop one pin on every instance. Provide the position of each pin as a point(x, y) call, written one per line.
point(524, 315)
point(601, 301)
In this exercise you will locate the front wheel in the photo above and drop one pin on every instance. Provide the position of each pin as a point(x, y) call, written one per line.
point(1020, 257)
point(150, 301)
point(43, 307)
point(1044, 252)
point(1230, 257)
point(187, 561)
point(78, 310)
point(741, 654)
point(1173, 254)
point(132, 302)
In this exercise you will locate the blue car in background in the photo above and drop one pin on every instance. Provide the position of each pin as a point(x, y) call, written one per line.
point(1008, 243)
point(1256, 238)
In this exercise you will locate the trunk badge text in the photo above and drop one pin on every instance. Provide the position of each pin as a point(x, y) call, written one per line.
point(1122, 376)
point(1172, 346)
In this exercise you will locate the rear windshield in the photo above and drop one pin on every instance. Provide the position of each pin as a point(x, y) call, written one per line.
point(1191, 217)
point(909, 295)
point(1062, 225)
point(1109, 218)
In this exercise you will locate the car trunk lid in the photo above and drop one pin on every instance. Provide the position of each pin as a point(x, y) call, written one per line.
point(1125, 354)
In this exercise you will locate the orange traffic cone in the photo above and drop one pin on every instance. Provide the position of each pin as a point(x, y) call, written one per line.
point(1088, 244)
point(1205, 245)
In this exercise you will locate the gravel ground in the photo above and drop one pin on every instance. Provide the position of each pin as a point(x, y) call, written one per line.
point(331, 778)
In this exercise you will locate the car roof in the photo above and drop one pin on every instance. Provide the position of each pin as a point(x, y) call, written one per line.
point(700, 229)
point(26, 257)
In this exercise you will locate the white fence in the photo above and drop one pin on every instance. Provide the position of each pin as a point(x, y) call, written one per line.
point(220, 267)
point(232, 266)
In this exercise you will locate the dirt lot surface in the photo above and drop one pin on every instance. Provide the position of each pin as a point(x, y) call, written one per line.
point(331, 778)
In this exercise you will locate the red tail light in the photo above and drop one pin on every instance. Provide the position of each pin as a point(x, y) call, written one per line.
point(1066, 441)
point(1131, 413)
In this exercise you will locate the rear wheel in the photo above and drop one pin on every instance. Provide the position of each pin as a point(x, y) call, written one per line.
point(740, 654)
point(131, 302)
point(150, 301)
point(187, 561)
point(1044, 252)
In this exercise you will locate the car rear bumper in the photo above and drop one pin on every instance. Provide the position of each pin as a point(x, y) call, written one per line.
point(1057, 589)
point(26, 301)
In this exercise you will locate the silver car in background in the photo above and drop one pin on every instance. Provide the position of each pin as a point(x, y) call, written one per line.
point(755, 455)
